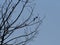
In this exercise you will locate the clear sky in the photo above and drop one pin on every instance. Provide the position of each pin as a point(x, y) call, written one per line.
point(50, 29)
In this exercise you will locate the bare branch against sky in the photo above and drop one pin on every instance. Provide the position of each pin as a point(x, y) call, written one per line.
point(18, 26)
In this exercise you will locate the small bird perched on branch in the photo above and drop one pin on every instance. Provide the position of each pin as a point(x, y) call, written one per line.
point(35, 18)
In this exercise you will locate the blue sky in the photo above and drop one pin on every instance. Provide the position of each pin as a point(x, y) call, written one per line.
point(50, 29)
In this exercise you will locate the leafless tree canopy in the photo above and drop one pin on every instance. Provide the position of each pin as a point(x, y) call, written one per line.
point(18, 23)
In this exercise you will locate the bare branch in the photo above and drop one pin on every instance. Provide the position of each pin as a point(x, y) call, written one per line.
point(8, 26)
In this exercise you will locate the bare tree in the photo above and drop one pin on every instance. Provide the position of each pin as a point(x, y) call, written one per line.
point(18, 26)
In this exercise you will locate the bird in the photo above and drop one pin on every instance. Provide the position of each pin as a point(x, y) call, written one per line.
point(35, 18)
